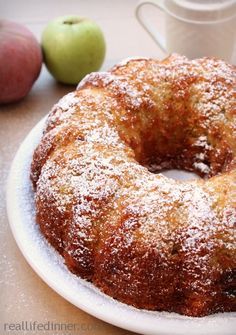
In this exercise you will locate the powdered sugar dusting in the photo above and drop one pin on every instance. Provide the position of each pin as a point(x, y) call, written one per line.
point(202, 142)
point(125, 61)
point(201, 167)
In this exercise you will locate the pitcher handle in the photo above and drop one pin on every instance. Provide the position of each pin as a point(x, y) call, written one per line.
point(143, 20)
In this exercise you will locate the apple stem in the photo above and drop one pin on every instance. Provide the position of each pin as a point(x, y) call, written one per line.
point(73, 21)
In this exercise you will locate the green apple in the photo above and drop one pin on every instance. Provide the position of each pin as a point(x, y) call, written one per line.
point(73, 46)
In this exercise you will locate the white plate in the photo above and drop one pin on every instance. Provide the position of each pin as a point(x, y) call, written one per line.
point(49, 266)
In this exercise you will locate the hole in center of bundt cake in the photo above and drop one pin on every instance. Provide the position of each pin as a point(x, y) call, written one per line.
point(177, 167)
point(195, 157)
point(179, 174)
point(187, 154)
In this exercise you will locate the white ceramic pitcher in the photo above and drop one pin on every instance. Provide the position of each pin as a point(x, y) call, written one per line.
point(194, 28)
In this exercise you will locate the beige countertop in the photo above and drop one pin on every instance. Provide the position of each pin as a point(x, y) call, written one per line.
point(23, 295)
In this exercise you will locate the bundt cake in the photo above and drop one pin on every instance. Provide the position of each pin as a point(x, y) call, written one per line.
point(102, 203)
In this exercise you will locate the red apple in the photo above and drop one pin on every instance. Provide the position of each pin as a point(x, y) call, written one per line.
point(20, 61)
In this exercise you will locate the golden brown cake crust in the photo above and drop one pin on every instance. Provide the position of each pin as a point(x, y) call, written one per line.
point(142, 238)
